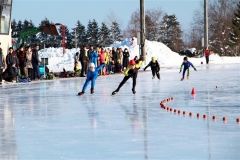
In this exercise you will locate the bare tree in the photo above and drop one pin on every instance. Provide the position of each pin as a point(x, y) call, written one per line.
point(153, 24)
point(197, 31)
point(221, 13)
point(134, 25)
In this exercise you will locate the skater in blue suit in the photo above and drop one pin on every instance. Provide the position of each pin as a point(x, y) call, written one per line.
point(92, 75)
point(186, 65)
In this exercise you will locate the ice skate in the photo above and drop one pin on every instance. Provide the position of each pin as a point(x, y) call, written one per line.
point(92, 90)
point(80, 93)
point(133, 91)
point(114, 92)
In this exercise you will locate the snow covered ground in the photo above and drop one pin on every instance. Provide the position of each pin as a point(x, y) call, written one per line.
point(47, 121)
point(166, 58)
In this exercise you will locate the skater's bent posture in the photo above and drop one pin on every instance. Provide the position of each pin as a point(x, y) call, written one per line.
point(186, 65)
point(92, 75)
point(130, 72)
point(155, 67)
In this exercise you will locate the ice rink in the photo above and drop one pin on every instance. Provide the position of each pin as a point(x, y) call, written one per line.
point(46, 120)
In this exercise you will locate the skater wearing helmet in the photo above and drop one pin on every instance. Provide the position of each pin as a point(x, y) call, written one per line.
point(186, 65)
point(92, 75)
point(155, 67)
point(130, 72)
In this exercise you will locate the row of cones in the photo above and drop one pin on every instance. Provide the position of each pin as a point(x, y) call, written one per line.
point(190, 114)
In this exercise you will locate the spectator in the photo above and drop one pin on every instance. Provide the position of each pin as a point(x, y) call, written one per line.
point(120, 57)
point(21, 54)
point(93, 56)
point(2, 64)
point(10, 72)
point(35, 63)
point(102, 58)
point(107, 60)
point(29, 65)
point(83, 58)
point(125, 58)
point(207, 54)
point(114, 55)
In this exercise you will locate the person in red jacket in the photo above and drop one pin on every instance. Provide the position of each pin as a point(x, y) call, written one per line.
point(102, 58)
point(207, 54)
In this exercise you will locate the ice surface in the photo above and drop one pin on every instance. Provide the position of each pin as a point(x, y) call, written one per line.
point(47, 121)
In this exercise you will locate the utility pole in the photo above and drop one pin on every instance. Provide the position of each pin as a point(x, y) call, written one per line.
point(142, 29)
point(205, 24)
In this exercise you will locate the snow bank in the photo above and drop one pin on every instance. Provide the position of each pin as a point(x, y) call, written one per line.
point(57, 60)
point(167, 58)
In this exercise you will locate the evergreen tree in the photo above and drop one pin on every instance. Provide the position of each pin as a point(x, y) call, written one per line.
point(104, 36)
point(92, 33)
point(172, 34)
point(235, 35)
point(43, 37)
point(18, 29)
point(31, 24)
point(116, 34)
point(26, 24)
point(14, 28)
point(19, 26)
point(81, 34)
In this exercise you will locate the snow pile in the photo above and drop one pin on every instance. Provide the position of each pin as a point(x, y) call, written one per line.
point(57, 60)
point(167, 58)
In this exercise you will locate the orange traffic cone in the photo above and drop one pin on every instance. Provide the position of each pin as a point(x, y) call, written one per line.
point(193, 91)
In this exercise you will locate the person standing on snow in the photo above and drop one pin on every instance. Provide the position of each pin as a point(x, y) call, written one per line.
point(207, 54)
point(130, 72)
point(186, 65)
point(155, 67)
point(92, 75)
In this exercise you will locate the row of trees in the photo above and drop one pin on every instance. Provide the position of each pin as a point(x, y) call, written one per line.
point(224, 27)
point(93, 34)
point(159, 27)
point(224, 30)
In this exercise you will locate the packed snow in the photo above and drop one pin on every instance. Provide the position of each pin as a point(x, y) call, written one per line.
point(57, 60)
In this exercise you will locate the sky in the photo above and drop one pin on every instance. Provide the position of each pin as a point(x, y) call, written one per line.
point(69, 11)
